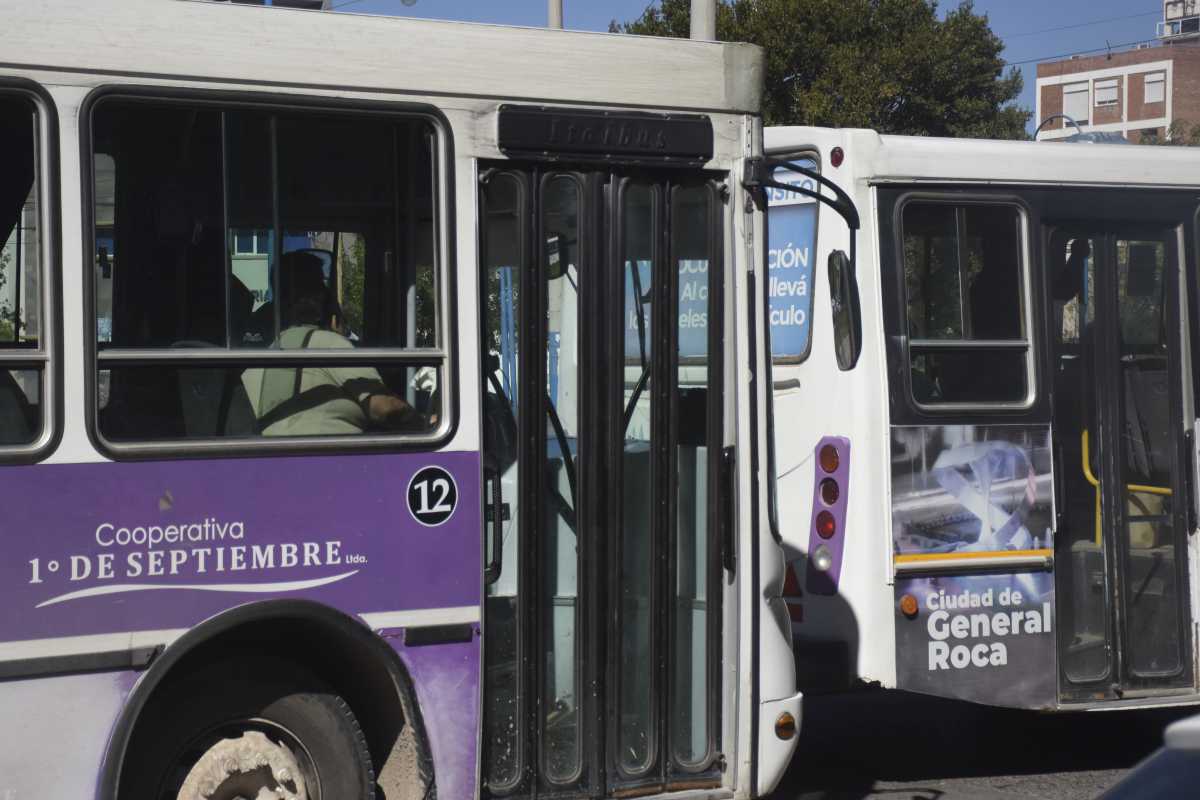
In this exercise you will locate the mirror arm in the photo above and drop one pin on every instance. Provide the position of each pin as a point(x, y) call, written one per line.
point(758, 176)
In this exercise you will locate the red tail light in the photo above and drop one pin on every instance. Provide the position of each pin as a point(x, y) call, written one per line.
point(826, 537)
point(826, 525)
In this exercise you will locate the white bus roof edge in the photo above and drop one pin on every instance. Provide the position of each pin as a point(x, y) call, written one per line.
point(226, 42)
point(882, 158)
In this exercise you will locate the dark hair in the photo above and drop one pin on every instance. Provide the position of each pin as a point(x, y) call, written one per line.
point(305, 296)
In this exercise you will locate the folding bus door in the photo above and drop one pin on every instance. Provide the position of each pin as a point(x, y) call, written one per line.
point(602, 427)
point(1123, 484)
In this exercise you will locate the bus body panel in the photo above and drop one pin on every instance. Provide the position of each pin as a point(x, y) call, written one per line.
point(208, 535)
point(344, 541)
point(219, 43)
point(852, 404)
point(35, 709)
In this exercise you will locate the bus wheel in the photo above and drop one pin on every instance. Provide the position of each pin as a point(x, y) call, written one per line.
point(277, 732)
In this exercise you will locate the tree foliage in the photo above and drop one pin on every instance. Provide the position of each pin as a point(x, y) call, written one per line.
point(1181, 133)
point(890, 65)
point(8, 317)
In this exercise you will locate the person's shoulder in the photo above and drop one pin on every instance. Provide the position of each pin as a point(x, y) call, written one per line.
point(322, 338)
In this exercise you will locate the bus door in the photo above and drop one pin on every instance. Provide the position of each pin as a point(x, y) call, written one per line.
point(1122, 480)
point(603, 415)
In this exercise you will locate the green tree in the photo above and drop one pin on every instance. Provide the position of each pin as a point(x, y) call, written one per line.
point(890, 65)
point(1181, 133)
point(8, 317)
point(353, 275)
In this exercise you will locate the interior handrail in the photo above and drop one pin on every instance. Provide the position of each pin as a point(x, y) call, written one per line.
point(1094, 481)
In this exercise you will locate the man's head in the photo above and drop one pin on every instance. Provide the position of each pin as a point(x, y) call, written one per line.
point(302, 287)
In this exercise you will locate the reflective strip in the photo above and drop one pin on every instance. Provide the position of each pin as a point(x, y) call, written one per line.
point(84, 645)
point(971, 561)
point(422, 618)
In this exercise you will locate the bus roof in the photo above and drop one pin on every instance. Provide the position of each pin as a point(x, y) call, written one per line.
point(879, 158)
point(241, 44)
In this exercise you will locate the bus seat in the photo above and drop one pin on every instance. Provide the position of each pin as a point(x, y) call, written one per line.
point(1143, 534)
point(213, 401)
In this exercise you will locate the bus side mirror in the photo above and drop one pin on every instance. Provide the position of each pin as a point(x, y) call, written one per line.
point(847, 314)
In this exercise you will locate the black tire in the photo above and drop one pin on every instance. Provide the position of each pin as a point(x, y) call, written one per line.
point(186, 716)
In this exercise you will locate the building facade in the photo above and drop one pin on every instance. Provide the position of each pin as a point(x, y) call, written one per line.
point(1150, 91)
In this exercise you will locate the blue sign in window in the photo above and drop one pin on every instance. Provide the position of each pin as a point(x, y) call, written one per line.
point(791, 250)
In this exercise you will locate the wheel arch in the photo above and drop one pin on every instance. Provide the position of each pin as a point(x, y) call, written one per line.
point(347, 654)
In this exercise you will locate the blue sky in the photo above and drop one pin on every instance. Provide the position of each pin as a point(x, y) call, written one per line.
point(1031, 29)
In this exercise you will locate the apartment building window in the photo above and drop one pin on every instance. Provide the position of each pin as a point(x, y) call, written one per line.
point(1106, 92)
point(1075, 102)
point(1156, 87)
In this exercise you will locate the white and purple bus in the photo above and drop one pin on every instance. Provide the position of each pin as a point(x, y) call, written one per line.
point(384, 411)
point(1002, 391)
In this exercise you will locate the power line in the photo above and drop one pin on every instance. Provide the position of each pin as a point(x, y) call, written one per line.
point(1068, 55)
point(1082, 24)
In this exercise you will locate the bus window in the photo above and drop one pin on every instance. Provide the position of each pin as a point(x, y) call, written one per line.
point(790, 261)
point(504, 257)
point(693, 264)
point(21, 417)
point(562, 686)
point(635, 743)
point(258, 252)
point(964, 281)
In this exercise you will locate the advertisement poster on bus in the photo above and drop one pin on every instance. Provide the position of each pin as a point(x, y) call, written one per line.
point(962, 493)
point(971, 488)
point(791, 240)
point(984, 638)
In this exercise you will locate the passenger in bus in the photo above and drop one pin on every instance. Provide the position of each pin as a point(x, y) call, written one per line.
point(321, 400)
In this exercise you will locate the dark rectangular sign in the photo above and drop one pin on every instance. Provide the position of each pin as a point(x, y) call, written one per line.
point(626, 136)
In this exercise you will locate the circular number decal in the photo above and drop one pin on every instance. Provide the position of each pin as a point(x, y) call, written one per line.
point(432, 496)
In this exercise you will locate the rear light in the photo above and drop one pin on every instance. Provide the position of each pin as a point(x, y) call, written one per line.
point(822, 559)
point(827, 531)
point(826, 525)
point(785, 726)
point(829, 458)
point(836, 156)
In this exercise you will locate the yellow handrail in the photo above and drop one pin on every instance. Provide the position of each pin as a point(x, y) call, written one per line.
point(1094, 481)
point(1135, 487)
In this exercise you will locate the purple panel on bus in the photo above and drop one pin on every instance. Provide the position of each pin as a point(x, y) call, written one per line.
point(105, 548)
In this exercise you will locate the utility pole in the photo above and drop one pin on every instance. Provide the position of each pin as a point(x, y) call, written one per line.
point(554, 12)
point(704, 19)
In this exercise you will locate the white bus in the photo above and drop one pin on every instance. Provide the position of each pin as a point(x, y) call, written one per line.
point(1005, 373)
point(383, 411)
